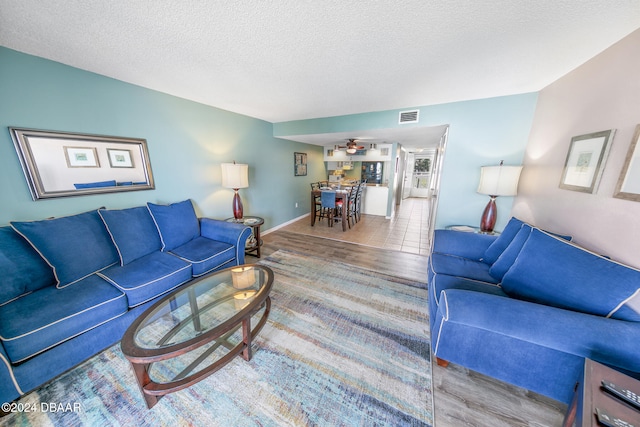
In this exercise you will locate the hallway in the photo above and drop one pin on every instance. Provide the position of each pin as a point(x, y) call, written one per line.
point(407, 231)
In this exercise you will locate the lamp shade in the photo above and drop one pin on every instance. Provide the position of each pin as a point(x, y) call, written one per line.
point(499, 180)
point(235, 175)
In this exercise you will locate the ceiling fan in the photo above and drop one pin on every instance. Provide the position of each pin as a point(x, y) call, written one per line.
point(351, 147)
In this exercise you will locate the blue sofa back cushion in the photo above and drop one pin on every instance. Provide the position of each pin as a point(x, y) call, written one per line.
point(177, 223)
point(500, 244)
point(21, 267)
point(75, 246)
point(554, 272)
point(133, 232)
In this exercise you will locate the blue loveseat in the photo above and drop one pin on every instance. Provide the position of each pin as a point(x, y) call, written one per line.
point(70, 286)
point(527, 307)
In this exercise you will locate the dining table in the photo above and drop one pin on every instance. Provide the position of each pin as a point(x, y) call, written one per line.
point(341, 195)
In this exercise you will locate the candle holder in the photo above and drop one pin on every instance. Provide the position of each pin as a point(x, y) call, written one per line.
point(243, 277)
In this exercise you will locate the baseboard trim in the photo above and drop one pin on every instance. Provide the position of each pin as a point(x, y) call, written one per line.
point(284, 224)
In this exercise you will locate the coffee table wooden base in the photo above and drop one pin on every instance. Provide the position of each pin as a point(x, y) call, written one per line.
point(153, 391)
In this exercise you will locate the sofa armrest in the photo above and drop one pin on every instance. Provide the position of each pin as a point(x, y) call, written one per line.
point(9, 388)
point(229, 232)
point(463, 244)
point(609, 341)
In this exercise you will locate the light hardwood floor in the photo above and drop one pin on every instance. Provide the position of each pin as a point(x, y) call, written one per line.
point(462, 397)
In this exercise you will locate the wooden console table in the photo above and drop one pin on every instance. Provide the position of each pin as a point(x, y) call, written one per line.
point(589, 395)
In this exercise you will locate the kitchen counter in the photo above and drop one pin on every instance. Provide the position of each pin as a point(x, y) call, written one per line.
point(374, 200)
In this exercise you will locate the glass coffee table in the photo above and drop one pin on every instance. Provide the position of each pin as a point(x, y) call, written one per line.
point(195, 330)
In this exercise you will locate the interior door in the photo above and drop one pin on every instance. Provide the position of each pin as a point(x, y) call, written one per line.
point(422, 172)
point(401, 159)
point(407, 178)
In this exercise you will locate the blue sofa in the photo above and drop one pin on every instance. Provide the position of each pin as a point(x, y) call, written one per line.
point(527, 307)
point(70, 286)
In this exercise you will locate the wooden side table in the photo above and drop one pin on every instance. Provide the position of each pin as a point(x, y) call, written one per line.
point(254, 241)
point(469, 229)
point(590, 395)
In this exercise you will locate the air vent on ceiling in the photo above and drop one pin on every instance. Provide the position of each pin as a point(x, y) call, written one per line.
point(409, 116)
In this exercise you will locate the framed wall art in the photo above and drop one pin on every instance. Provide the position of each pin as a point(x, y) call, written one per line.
point(120, 158)
point(300, 164)
point(628, 186)
point(81, 157)
point(585, 161)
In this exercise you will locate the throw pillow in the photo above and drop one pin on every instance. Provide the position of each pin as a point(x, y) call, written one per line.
point(75, 246)
point(510, 254)
point(133, 232)
point(554, 272)
point(500, 244)
point(177, 223)
point(23, 269)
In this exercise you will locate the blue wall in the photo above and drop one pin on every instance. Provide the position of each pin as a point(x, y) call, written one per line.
point(187, 142)
point(481, 132)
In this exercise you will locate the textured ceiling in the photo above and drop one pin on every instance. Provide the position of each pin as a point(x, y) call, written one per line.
point(296, 59)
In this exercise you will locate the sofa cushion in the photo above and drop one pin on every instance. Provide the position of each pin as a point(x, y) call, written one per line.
point(75, 246)
point(206, 255)
point(177, 223)
point(555, 272)
point(21, 267)
point(148, 277)
point(133, 232)
point(49, 316)
point(509, 255)
point(453, 265)
point(500, 244)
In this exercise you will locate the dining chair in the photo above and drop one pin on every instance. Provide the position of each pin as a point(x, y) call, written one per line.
point(351, 206)
point(317, 206)
point(361, 188)
point(328, 206)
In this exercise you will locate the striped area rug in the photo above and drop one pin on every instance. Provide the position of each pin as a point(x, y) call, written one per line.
point(343, 346)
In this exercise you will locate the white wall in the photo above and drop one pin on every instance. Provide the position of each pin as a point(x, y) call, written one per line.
point(602, 94)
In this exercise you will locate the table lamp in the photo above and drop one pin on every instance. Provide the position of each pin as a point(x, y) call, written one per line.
point(496, 181)
point(235, 176)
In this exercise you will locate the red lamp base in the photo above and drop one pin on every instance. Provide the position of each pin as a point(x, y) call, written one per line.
point(237, 205)
point(489, 216)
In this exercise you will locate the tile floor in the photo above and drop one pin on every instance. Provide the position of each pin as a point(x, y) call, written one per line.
point(406, 231)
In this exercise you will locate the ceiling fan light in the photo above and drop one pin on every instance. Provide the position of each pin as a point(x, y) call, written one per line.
point(351, 150)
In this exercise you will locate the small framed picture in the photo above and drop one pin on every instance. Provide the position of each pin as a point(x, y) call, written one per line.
point(585, 161)
point(120, 158)
point(81, 157)
point(300, 164)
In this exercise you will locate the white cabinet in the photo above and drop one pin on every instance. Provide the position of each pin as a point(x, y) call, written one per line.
point(381, 153)
point(346, 165)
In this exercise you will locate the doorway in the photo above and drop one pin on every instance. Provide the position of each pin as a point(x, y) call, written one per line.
point(418, 174)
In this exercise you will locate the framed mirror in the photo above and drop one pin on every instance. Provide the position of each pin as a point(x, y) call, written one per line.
point(628, 186)
point(61, 164)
